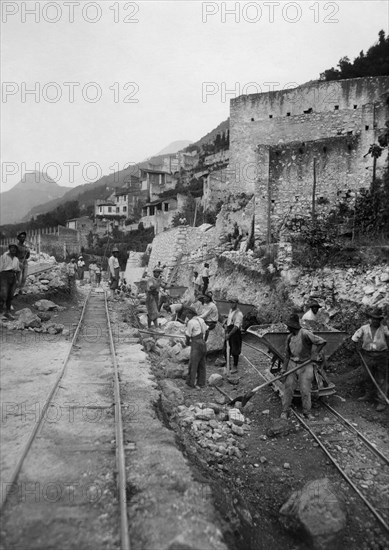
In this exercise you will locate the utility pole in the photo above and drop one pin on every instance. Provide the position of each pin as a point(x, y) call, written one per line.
point(268, 236)
point(314, 191)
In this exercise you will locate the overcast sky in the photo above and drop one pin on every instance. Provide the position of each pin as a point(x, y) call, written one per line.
point(143, 74)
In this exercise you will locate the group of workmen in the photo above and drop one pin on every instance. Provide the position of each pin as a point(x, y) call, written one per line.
point(13, 273)
point(202, 317)
point(303, 351)
point(76, 270)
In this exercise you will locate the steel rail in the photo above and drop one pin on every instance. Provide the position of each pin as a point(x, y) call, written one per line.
point(254, 367)
point(360, 435)
point(120, 454)
point(257, 349)
point(46, 405)
point(372, 509)
point(376, 514)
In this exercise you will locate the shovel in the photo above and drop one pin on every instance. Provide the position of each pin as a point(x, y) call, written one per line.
point(248, 395)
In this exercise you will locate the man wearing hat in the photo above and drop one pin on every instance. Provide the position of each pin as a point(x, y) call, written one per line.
point(23, 256)
point(209, 312)
point(9, 274)
point(373, 338)
point(152, 297)
point(299, 350)
point(233, 333)
point(312, 313)
point(114, 271)
point(196, 335)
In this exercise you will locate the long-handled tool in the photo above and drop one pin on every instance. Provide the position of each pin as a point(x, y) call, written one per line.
point(228, 370)
point(384, 397)
point(248, 395)
point(223, 393)
point(162, 334)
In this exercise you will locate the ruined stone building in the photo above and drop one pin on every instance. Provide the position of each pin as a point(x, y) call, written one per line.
point(278, 139)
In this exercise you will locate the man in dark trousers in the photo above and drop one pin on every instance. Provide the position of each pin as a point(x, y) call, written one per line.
point(298, 350)
point(23, 256)
point(9, 277)
point(114, 271)
point(205, 276)
point(196, 335)
point(233, 335)
point(373, 339)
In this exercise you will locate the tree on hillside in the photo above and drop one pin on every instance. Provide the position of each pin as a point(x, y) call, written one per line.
point(374, 63)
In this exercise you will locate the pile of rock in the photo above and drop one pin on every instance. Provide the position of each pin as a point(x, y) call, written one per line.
point(215, 428)
point(36, 258)
point(37, 322)
point(55, 278)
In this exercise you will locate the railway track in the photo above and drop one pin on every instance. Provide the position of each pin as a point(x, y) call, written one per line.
point(357, 459)
point(68, 488)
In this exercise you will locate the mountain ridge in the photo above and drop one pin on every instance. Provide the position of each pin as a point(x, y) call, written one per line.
point(33, 189)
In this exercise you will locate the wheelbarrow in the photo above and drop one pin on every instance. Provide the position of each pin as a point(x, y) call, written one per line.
point(276, 342)
point(176, 292)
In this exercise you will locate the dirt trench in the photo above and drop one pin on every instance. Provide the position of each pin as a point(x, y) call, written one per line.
point(248, 492)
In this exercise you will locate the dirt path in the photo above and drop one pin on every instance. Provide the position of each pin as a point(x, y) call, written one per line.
point(168, 509)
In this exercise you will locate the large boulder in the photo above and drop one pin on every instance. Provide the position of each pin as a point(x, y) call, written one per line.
point(27, 319)
point(317, 512)
point(215, 340)
point(174, 371)
point(174, 327)
point(215, 380)
point(44, 315)
point(184, 355)
point(45, 305)
point(54, 328)
point(171, 392)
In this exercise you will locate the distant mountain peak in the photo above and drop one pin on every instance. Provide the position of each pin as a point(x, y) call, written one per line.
point(174, 147)
point(33, 189)
point(35, 179)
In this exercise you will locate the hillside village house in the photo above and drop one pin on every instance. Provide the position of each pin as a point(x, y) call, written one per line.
point(160, 213)
point(156, 182)
point(83, 223)
point(105, 208)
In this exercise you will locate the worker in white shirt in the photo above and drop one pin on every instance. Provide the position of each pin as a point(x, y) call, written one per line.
point(81, 268)
point(196, 335)
point(312, 313)
point(233, 333)
point(9, 277)
point(209, 311)
point(373, 338)
point(114, 271)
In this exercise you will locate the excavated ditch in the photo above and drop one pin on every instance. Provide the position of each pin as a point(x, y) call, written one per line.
point(249, 492)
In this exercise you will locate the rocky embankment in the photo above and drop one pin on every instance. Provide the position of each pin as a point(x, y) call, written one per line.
point(362, 285)
point(366, 286)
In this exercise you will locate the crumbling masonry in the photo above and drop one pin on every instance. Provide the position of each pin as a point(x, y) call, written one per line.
point(278, 139)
